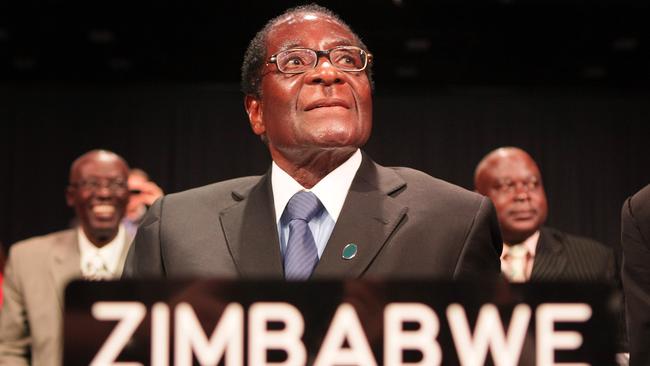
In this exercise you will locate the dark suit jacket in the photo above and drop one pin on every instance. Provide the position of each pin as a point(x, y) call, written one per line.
point(635, 239)
point(405, 223)
point(563, 257)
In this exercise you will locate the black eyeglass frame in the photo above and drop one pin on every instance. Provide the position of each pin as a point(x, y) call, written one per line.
point(368, 59)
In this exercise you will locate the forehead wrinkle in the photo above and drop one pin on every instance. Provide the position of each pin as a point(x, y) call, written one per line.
point(340, 41)
point(289, 44)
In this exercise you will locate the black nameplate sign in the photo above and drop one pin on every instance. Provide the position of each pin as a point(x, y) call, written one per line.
point(211, 322)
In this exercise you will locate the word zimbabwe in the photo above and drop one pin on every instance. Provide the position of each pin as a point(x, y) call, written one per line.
point(246, 336)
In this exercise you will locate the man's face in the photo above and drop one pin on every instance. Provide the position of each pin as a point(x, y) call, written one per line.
point(320, 109)
point(99, 194)
point(514, 184)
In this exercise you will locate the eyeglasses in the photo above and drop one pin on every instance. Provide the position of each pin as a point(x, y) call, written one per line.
point(94, 185)
point(508, 186)
point(299, 60)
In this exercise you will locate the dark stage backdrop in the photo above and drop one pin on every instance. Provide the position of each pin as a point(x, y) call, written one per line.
point(591, 144)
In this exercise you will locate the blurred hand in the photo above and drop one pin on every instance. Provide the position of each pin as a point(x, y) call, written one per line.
point(143, 194)
point(146, 192)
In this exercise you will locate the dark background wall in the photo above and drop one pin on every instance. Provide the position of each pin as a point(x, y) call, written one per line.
point(567, 81)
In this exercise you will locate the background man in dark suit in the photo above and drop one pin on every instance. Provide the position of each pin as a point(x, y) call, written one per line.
point(532, 252)
point(324, 209)
point(635, 239)
point(39, 268)
point(511, 178)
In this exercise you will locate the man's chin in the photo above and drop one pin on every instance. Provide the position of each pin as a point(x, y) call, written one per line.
point(103, 232)
point(520, 232)
point(336, 133)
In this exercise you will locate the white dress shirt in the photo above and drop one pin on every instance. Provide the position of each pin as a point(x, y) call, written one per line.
point(101, 263)
point(331, 191)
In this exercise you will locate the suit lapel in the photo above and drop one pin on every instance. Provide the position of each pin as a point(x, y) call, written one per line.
point(65, 262)
point(128, 239)
point(368, 218)
point(550, 257)
point(251, 233)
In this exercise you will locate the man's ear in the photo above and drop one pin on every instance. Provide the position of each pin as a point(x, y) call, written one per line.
point(69, 196)
point(254, 110)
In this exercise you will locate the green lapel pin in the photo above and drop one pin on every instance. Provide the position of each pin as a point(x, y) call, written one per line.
point(349, 251)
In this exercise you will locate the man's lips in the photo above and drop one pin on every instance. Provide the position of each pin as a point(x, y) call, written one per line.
point(523, 215)
point(325, 103)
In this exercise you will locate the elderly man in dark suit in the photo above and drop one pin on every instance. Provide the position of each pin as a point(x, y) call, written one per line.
point(635, 239)
point(324, 209)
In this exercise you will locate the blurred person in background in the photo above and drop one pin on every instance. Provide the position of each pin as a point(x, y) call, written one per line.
point(39, 268)
point(635, 239)
point(2, 268)
point(533, 252)
point(143, 193)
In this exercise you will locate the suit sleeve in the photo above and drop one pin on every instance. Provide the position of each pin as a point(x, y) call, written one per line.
point(15, 338)
point(480, 255)
point(144, 259)
point(636, 282)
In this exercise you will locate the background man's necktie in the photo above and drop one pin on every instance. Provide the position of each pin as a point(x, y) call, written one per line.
point(517, 258)
point(301, 254)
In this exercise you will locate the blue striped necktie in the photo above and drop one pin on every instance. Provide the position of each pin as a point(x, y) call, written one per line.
point(301, 255)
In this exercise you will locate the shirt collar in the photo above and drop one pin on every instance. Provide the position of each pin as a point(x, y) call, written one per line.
point(110, 252)
point(530, 244)
point(331, 190)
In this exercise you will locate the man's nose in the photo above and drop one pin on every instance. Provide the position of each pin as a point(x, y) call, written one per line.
point(103, 191)
point(522, 192)
point(325, 73)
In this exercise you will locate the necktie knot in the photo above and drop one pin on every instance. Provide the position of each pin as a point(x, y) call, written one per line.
point(518, 251)
point(302, 206)
point(517, 258)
